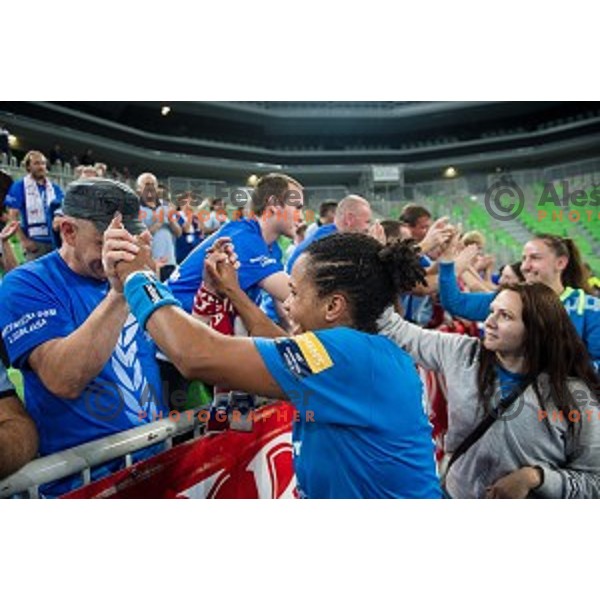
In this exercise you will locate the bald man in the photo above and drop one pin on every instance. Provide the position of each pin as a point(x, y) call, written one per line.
point(353, 215)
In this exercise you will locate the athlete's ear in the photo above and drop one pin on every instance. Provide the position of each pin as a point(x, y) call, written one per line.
point(336, 309)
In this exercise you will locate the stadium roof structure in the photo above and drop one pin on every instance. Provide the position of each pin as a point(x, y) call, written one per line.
point(313, 139)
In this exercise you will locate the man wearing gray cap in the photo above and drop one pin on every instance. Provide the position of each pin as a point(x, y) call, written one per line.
point(89, 370)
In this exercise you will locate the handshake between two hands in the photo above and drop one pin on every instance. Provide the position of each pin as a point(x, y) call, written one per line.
point(124, 253)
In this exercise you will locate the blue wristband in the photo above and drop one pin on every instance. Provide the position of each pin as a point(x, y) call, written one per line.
point(145, 294)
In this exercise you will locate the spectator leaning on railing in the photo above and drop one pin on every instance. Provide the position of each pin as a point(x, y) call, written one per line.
point(277, 201)
point(89, 370)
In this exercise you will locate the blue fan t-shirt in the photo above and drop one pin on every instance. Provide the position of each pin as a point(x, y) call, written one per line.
point(44, 300)
point(361, 431)
point(258, 260)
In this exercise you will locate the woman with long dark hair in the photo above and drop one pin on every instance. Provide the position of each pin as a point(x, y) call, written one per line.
point(531, 383)
point(547, 259)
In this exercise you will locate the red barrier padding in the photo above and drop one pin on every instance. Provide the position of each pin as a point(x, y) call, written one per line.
point(229, 464)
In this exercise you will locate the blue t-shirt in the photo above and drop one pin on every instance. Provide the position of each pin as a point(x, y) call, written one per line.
point(361, 431)
point(318, 234)
point(16, 199)
point(257, 259)
point(44, 300)
point(509, 381)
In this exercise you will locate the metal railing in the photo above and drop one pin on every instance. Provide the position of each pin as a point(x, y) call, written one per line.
point(81, 459)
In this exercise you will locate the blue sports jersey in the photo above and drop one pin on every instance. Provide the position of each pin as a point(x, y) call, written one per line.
point(320, 233)
point(16, 199)
point(362, 431)
point(509, 381)
point(44, 300)
point(257, 259)
point(474, 306)
point(583, 309)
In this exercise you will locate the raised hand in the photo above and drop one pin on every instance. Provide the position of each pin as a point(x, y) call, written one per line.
point(452, 247)
point(119, 247)
point(9, 230)
point(439, 234)
point(220, 267)
point(466, 258)
point(376, 231)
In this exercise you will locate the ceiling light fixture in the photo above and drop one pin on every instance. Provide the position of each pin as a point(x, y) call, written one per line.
point(450, 172)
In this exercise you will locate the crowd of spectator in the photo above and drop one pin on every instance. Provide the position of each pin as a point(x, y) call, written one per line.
point(109, 292)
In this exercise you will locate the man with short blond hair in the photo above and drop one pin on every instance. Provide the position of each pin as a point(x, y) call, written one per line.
point(276, 209)
point(275, 189)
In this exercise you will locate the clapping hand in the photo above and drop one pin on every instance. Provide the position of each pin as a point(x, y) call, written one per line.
point(9, 230)
point(438, 235)
point(377, 232)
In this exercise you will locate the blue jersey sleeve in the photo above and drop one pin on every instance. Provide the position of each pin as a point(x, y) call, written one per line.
point(314, 371)
point(31, 315)
point(257, 261)
point(591, 329)
point(474, 306)
point(15, 198)
point(255, 267)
